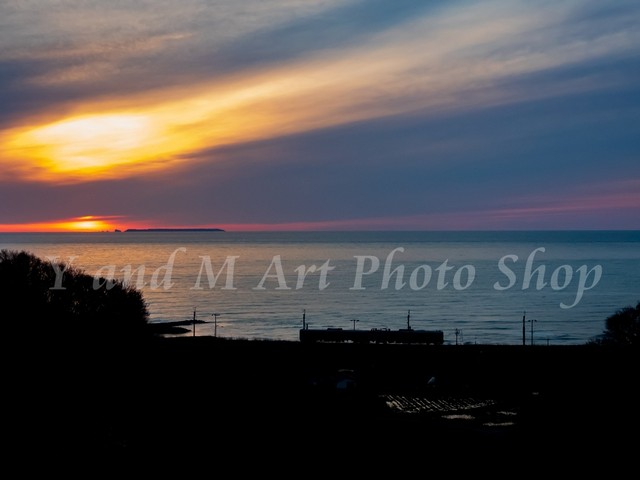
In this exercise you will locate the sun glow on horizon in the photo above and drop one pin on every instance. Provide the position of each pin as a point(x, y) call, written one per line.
point(88, 223)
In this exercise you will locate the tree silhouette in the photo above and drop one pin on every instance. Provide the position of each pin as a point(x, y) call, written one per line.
point(79, 363)
point(623, 327)
point(85, 308)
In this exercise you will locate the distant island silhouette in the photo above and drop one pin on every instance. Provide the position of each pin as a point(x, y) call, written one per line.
point(174, 230)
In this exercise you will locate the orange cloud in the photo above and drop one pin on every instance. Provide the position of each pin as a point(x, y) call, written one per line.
point(429, 63)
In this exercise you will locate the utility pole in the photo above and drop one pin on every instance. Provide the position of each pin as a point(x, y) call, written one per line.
point(354, 322)
point(215, 323)
point(409, 320)
point(194, 321)
point(304, 319)
point(532, 320)
point(524, 335)
point(457, 331)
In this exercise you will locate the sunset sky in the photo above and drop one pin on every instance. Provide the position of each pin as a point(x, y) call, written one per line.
point(319, 115)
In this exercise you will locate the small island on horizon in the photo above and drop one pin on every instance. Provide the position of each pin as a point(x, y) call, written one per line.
point(171, 230)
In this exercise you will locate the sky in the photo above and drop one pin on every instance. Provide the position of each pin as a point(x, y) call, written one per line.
point(319, 115)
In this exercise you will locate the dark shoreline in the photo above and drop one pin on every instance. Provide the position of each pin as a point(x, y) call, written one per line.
point(156, 230)
point(224, 394)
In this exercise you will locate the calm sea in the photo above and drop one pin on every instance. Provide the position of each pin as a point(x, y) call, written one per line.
point(477, 284)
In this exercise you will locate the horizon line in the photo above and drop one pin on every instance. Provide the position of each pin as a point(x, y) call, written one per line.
point(226, 230)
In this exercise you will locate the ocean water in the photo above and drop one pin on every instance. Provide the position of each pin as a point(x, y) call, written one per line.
point(478, 284)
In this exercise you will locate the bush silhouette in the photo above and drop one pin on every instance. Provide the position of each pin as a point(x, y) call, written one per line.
point(623, 327)
point(84, 308)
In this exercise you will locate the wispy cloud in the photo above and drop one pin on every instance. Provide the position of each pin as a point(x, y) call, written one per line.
point(459, 58)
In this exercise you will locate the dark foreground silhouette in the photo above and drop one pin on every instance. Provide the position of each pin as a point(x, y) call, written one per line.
point(87, 385)
point(205, 398)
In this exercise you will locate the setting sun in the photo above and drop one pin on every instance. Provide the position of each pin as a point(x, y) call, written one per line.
point(87, 223)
